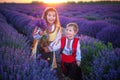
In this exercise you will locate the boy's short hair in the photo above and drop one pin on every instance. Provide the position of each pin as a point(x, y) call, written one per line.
point(74, 25)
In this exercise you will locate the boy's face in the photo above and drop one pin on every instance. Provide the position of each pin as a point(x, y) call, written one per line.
point(51, 17)
point(70, 33)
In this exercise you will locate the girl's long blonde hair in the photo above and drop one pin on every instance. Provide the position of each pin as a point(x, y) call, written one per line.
point(44, 16)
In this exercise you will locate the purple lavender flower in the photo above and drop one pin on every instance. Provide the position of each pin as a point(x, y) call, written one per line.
point(42, 24)
point(39, 23)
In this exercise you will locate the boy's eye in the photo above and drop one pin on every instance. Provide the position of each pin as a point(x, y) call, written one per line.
point(68, 30)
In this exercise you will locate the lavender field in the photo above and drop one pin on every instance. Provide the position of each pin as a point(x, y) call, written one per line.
point(99, 33)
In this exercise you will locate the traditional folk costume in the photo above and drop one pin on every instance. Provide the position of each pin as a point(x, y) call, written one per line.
point(54, 35)
point(70, 53)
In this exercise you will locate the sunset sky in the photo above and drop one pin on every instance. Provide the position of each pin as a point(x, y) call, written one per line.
point(50, 1)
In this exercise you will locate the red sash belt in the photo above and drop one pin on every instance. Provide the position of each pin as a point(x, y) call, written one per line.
point(68, 58)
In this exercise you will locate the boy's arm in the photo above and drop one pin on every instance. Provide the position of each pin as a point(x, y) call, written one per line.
point(78, 54)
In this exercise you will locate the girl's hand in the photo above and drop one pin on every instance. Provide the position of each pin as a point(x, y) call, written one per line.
point(34, 31)
point(41, 33)
point(78, 63)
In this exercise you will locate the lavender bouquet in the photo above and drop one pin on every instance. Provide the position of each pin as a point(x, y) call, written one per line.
point(41, 23)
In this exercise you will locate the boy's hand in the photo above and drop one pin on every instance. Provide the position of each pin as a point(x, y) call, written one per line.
point(78, 63)
point(46, 49)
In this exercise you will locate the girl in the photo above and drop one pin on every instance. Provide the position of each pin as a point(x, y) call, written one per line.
point(53, 31)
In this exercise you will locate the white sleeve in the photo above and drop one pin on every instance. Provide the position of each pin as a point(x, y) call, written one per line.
point(58, 36)
point(37, 36)
point(78, 52)
point(54, 46)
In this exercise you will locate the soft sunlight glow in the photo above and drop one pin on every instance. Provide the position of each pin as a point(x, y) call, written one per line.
point(54, 1)
point(50, 1)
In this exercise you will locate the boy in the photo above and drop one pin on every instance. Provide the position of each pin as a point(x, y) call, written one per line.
point(70, 52)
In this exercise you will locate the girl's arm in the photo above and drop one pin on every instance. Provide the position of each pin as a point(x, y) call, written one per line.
point(54, 46)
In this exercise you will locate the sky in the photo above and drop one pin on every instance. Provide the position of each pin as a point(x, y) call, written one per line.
point(49, 1)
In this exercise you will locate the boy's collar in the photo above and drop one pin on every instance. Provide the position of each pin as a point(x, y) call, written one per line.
point(70, 39)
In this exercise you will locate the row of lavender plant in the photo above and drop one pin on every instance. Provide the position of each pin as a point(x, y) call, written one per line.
point(99, 61)
point(10, 37)
point(19, 21)
point(88, 11)
point(29, 9)
point(109, 13)
point(94, 49)
point(106, 67)
point(15, 64)
point(22, 23)
point(102, 31)
point(95, 28)
point(15, 61)
point(91, 50)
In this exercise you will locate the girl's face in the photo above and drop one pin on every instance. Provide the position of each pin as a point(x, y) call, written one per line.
point(51, 17)
point(70, 33)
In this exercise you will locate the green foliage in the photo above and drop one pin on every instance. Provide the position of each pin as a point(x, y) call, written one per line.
point(44, 37)
point(110, 46)
point(90, 52)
